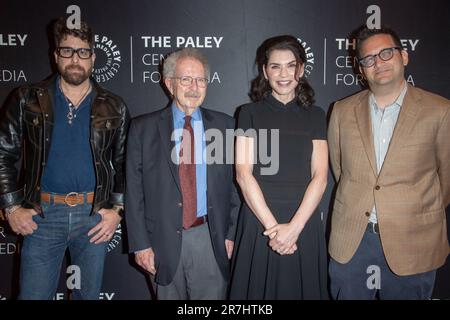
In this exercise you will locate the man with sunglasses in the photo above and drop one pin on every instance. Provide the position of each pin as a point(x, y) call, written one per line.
point(70, 134)
point(181, 206)
point(390, 154)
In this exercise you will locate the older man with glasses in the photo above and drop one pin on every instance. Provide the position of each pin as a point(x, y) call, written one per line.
point(390, 155)
point(181, 206)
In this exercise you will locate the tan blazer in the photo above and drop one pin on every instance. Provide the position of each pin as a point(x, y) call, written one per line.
point(411, 191)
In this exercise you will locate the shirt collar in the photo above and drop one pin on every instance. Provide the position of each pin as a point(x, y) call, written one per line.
point(397, 103)
point(60, 94)
point(279, 106)
point(178, 115)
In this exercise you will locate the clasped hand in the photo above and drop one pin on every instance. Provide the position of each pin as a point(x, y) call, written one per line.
point(283, 238)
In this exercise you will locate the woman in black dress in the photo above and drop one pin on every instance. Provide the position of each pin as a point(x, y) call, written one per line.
point(280, 250)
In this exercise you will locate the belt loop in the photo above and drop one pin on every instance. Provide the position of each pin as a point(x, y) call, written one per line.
point(375, 228)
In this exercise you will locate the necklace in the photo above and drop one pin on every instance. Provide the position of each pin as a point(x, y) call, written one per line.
point(72, 106)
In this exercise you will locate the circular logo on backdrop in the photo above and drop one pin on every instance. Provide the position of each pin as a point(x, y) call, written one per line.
point(116, 238)
point(108, 58)
point(309, 63)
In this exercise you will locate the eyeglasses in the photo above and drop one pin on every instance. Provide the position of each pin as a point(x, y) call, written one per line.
point(67, 52)
point(385, 55)
point(187, 81)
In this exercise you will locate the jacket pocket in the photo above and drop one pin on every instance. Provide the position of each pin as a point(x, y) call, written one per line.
point(34, 124)
point(104, 130)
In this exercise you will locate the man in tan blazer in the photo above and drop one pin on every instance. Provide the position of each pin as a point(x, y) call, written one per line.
point(390, 154)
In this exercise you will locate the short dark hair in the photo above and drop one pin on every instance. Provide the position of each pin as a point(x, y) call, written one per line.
point(364, 33)
point(260, 86)
point(61, 31)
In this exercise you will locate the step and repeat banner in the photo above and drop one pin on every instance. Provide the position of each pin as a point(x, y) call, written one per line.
point(132, 38)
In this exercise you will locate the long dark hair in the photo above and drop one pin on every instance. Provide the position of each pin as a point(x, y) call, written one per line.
point(260, 86)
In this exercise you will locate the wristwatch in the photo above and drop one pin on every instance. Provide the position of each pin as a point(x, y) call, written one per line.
point(119, 211)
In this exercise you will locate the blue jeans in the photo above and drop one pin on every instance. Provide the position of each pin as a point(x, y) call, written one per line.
point(43, 252)
point(368, 273)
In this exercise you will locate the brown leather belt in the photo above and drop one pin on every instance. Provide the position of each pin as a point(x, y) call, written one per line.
point(72, 199)
point(199, 221)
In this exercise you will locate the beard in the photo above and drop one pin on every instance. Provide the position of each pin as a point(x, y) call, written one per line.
point(75, 74)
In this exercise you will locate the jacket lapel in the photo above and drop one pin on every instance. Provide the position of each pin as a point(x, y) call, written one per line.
point(207, 119)
point(165, 127)
point(45, 93)
point(363, 120)
point(405, 122)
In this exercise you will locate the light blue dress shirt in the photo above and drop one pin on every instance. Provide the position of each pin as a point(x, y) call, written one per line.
point(199, 149)
point(383, 125)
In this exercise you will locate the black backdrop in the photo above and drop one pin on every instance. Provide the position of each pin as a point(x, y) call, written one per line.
point(132, 37)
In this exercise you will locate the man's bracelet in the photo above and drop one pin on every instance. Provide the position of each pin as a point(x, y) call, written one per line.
point(12, 209)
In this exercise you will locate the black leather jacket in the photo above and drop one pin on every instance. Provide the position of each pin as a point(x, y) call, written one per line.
point(26, 123)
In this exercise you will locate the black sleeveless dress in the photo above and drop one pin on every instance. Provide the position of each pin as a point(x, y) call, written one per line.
point(257, 271)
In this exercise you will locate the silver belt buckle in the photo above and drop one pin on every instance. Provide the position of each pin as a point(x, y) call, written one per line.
point(67, 201)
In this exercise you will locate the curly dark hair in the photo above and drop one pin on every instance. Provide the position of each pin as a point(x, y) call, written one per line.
point(260, 86)
point(61, 31)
